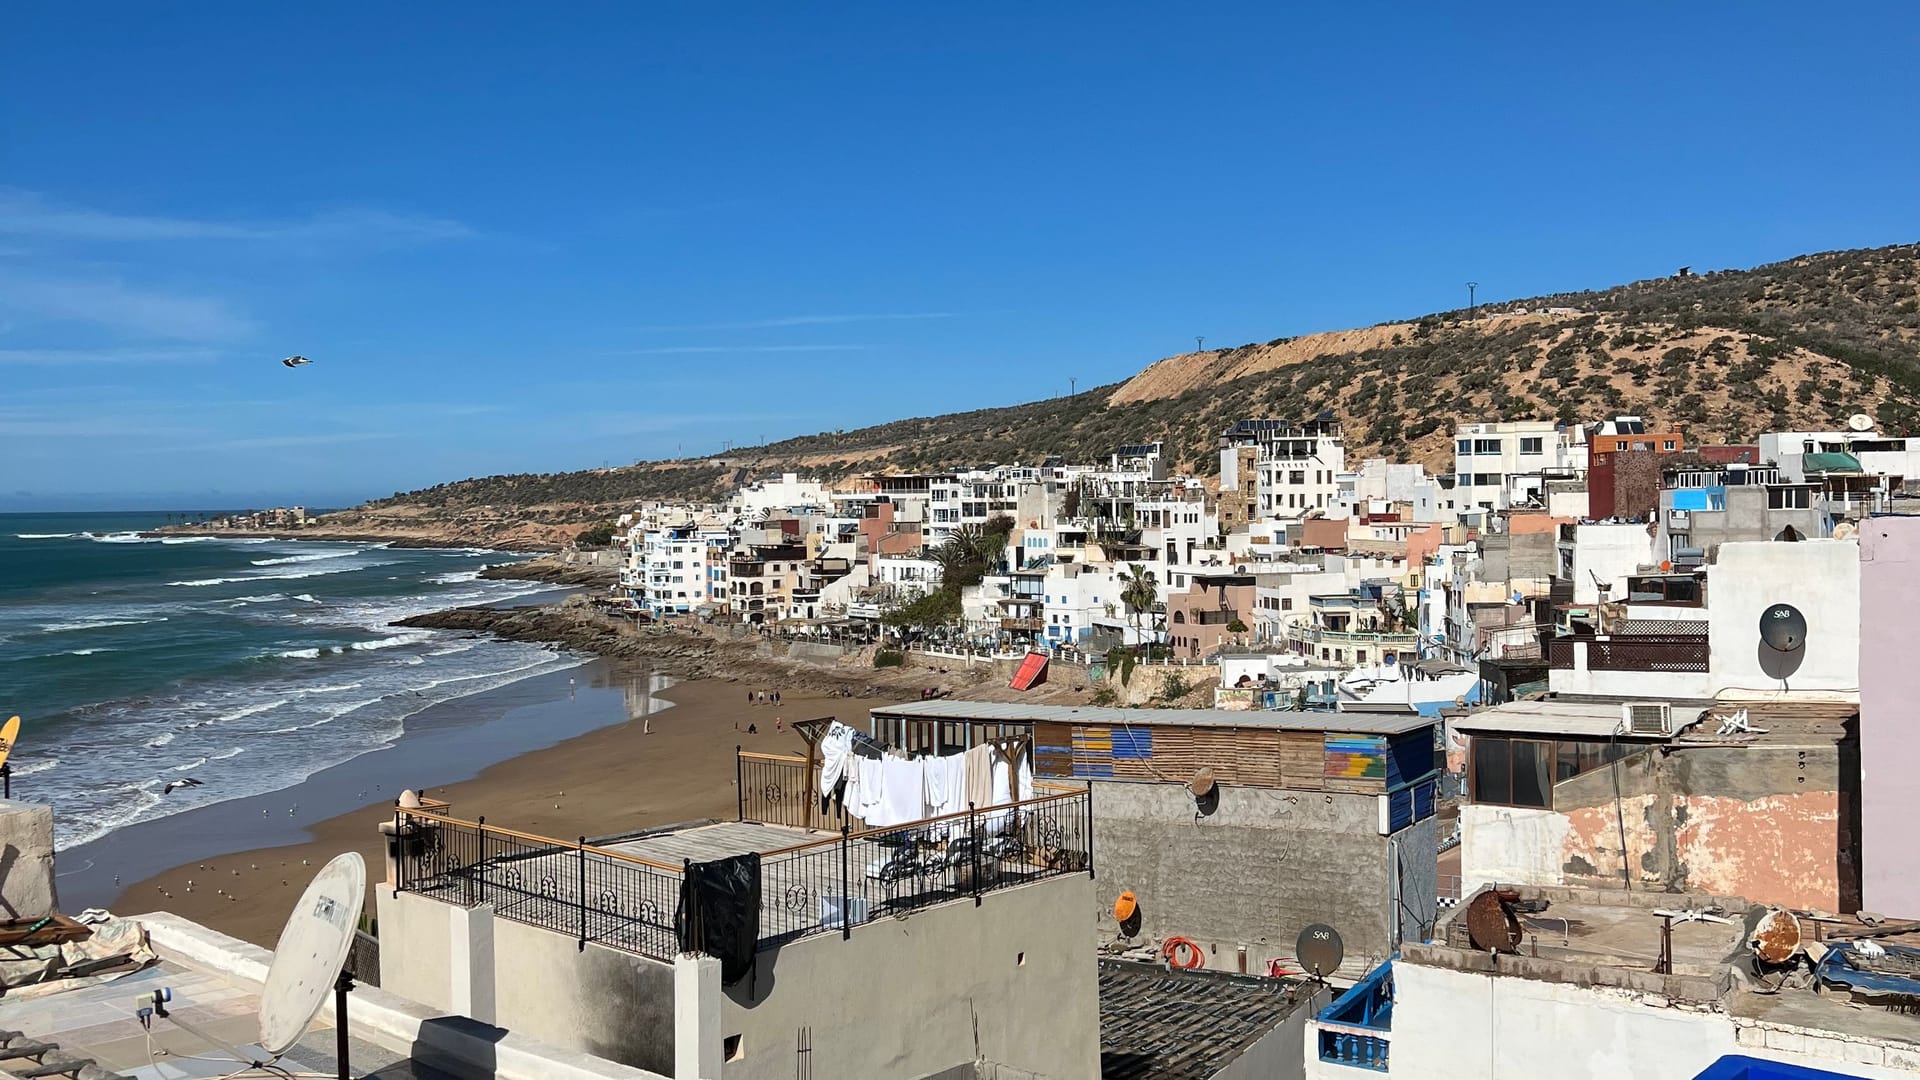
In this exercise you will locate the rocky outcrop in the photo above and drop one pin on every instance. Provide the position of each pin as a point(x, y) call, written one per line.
point(553, 571)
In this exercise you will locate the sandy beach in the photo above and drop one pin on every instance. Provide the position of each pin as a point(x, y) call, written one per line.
point(634, 765)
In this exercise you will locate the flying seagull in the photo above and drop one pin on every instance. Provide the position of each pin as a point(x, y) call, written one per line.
point(296, 361)
point(172, 784)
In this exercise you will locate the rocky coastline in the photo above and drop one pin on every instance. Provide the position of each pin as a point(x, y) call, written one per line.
point(552, 571)
point(391, 539)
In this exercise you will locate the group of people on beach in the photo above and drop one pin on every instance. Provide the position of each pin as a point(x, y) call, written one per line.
point(763, 697)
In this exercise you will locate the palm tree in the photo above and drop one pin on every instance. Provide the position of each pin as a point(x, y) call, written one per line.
point(1139, 592)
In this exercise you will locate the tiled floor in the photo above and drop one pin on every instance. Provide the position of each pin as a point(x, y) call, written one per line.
point(102, 1022)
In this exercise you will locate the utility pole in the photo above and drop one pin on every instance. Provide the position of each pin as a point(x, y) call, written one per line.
point(1199, 344)
point(1073, 386)
point(1472, 286)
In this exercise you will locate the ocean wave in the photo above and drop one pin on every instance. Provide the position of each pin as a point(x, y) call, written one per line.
point(455, 578)
point(266, 598)
point(162, 739)
point(305, 598)
point(390, 642)
point(44, 536)
point(184, 539)
point(239, 714)
point(197, 583)
point(315, 557)
point(315, 572)
point(96, 624)
point(39, 765)
point(194, 764)
point(83, 652)
point(328, 689)
point(301, 654)
point(225, 754)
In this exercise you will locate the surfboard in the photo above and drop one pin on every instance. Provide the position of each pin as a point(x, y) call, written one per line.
point(9, 731)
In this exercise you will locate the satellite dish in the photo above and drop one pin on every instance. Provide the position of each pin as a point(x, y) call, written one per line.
point(1783, 628)
point(1776, 937)
point(1860, 422)
point(1201, 784)
point(1320, 950)
point(312, 950)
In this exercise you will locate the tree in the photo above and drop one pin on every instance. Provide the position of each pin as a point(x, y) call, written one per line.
point(595, 535)
point(930, 611)
point(1139, 592)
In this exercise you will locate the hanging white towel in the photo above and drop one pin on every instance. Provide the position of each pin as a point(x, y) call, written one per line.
point(935, 773)
point(1002, 788)
point(871, 789)
point(836, 747)
point(904, 797)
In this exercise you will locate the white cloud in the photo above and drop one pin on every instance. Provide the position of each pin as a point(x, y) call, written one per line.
point(27, 214)
point(122, 307)
point(78, 357)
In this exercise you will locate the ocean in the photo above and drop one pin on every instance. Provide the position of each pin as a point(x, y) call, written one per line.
point(244, 664)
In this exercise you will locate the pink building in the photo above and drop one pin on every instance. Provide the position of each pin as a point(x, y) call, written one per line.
point(1889, 726)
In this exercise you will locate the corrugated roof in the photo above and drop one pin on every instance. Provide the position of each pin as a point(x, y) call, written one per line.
point(1582, 719)
point(1157, 1024)
point(1020, 713)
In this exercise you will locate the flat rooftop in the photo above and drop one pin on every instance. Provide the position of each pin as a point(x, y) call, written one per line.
point(1184, 1025)
point(1773, 721)
point(98, 1021)
point(1020, 713)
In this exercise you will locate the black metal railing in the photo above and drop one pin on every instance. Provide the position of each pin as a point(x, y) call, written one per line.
point(840, 883)
point(590, 893)
point(779, 789)
point(836, 883)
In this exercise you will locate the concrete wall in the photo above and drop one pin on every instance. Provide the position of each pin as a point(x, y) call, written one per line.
point(1494, 1027)
point(1763, 822)
point(1889, 737)
point(26, 861)
point(1257, 870)
point(1609, 553)
point(1822, 579)
point(608, 1003)
point(1013, 981)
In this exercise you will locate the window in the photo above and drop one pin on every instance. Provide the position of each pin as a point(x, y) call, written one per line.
point(1511, 772)
point(1297, 476)
point(1463, 480)
point(1486, 446)
point(1575, 758)
point(1667, 445)
point(1465, 446)
point(1486, 479)
point(1788, 498)
point(1531, 445)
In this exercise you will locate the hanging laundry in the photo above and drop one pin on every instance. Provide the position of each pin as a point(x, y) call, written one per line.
point(836, 748)
point(903, 797)
point(979, 770)
point(869, 789)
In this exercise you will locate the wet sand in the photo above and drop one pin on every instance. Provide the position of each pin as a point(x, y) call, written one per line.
point(608, 762)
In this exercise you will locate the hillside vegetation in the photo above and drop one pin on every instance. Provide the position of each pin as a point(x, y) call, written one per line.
point(1722, 355)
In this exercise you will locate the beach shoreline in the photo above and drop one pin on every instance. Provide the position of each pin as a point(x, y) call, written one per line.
point(647, 767)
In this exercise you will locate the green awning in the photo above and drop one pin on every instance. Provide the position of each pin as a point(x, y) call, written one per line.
point(1816, 464)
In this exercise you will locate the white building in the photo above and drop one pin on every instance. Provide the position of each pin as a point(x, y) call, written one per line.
point(1601, 556)
point(1879, 454)
point(774, 498)
point(1297, 466)
point(1508, 463)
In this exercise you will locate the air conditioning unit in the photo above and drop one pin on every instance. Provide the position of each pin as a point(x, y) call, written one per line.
point(1647, 717)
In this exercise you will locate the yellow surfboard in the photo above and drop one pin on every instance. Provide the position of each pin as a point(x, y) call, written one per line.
point(9, 731)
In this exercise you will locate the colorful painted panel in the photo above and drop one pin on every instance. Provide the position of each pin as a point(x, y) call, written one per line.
point(1356, 757)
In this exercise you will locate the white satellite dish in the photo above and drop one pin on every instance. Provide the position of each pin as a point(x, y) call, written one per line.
point(312, 950)
point(1860, 422)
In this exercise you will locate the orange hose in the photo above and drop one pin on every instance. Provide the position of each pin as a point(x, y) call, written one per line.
point(1172, 948)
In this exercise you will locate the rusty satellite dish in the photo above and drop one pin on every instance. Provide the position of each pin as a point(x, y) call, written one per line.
point(1319, 950)
point(1776, 937)
point(1491, 925)
point(1202, 783)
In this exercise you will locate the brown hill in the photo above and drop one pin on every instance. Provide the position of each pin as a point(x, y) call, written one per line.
point(1723, 355)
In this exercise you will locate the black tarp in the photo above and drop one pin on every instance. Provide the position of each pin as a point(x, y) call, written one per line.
point(720, 912)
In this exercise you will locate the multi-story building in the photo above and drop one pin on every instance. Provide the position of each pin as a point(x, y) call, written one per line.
point(1623, 466)
point(1296, 465)
point(1704, 506)
point(788, 494)
point(1497, 465)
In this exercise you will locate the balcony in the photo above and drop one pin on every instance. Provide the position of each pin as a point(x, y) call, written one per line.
point(1027, 626)
point(1354, 1029)
point(1629, 654)
point(1406, 640)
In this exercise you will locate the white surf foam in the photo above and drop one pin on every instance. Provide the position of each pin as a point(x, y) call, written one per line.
point(315, 557)
point(96, 624)
point(44, 536)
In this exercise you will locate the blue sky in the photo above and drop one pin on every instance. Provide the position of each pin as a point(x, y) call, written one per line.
point(515, 240)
